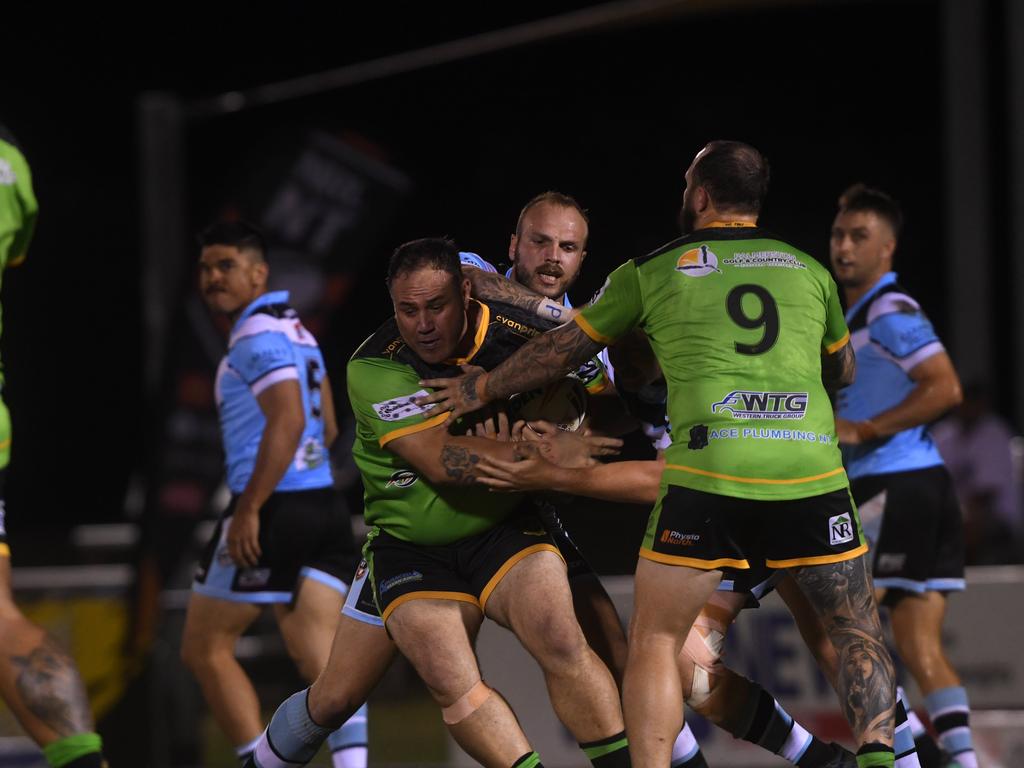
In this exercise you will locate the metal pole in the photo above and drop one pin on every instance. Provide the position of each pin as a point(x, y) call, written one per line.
point(1015, 98)
point(162, 225)
point(968, 253)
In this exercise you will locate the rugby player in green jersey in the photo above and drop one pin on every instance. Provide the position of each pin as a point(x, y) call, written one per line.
point(38, 680)
point(750, 336)
point(443, 553)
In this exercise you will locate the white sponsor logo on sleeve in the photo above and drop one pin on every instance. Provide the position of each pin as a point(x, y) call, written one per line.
point(400, 407)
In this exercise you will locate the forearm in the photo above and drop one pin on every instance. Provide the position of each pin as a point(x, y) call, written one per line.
point(276, 452)
point(925, 403)
point(628, 482)
point(543, 359)
point(493, 287)
point(459, 456)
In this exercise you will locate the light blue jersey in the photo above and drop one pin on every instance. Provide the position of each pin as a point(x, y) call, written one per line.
point(268, 345)
point(890, 336)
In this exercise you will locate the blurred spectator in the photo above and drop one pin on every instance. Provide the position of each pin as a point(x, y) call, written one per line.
point(978, 447)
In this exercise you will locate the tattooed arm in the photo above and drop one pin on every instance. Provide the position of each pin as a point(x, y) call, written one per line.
point(838, 369)
point(445, 459)
point(541, 360)
point(494, 287)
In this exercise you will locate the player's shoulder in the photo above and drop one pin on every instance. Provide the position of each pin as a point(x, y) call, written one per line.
point(268, 318)
point(895, 301)
point(385, 343)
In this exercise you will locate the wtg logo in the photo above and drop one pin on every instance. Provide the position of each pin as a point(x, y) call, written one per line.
point(840, 529)
point(747, 404)
point(698, 262)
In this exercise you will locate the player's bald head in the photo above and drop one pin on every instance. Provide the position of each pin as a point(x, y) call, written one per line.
point(735, 176)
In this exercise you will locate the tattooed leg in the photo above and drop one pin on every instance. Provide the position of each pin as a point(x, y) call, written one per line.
point(40, 684)
point(843, 597)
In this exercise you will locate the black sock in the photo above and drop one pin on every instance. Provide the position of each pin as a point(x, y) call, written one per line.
point(612, 752)
point(529, 760)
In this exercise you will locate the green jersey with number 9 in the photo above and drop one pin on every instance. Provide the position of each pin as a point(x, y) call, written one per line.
point(739, 321)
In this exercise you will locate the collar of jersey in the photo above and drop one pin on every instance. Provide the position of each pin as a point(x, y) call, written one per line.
point(478, 340)
point(887, 279)
point(272, 297)
point(731, 224)
point(565, 296)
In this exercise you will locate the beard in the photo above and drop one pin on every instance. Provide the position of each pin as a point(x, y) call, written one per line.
point(687, 219)
point(527, 279)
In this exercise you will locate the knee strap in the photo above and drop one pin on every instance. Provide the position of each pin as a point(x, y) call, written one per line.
point(467, 704)
point(705, 651)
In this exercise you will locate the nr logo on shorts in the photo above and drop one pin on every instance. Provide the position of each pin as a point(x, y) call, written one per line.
point(840, 529)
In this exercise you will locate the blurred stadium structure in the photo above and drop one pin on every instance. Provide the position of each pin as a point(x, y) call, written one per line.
point(342, 165)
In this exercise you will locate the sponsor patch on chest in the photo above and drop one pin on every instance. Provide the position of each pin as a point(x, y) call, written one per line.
point(398, 408)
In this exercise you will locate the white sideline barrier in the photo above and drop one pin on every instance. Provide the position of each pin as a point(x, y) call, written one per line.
point(982, 632)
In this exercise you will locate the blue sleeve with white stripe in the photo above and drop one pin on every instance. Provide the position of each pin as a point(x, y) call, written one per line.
point(475, 260)
point(902, 333)
point(262, 353)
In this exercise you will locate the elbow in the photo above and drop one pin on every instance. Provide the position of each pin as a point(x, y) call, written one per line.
point(955, 394)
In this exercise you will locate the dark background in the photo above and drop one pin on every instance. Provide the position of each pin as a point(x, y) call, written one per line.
point(832, 93)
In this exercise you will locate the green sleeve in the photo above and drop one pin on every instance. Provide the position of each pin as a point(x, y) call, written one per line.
point(836, 332)
point(381, 393)
point(616, 309)
point(24, 206)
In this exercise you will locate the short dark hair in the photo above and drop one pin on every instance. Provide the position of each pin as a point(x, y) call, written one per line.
point(860, 197)
point(240, 234)
point(438, 253)
point(734, 174)
point(550, 197)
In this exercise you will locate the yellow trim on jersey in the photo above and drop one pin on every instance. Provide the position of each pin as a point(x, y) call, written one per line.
point(17, 261)
point(5, 444)
point(592, 332)
point(412, 429)
point(704, 565)
point(507, 566)
point(720, 224)
point(458, 597)
point(5, 551)
point(597, 386)
point(819, 560)
point(837, 345)
point(756, 480)
point(478, 340)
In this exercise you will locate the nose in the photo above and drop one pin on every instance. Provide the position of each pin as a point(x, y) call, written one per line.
point(424, 323)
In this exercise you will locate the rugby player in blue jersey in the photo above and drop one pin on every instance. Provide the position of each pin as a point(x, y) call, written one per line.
point(282, 540)
point(907, 504)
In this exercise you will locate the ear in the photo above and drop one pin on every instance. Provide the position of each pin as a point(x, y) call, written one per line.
point(513, 241)
point(888, 249)
point(467, 288)
point(701, 200)
point(260, 272)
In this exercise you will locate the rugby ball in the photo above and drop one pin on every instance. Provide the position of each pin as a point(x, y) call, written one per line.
point(562, 402)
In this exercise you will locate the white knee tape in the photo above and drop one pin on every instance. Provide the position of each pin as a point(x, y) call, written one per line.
point(705, 651)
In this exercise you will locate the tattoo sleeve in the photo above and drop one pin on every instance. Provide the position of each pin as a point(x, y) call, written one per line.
point(843, 596)
point(542, 359)
point(50, 688)
point(838, 369)
point(489, 286)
